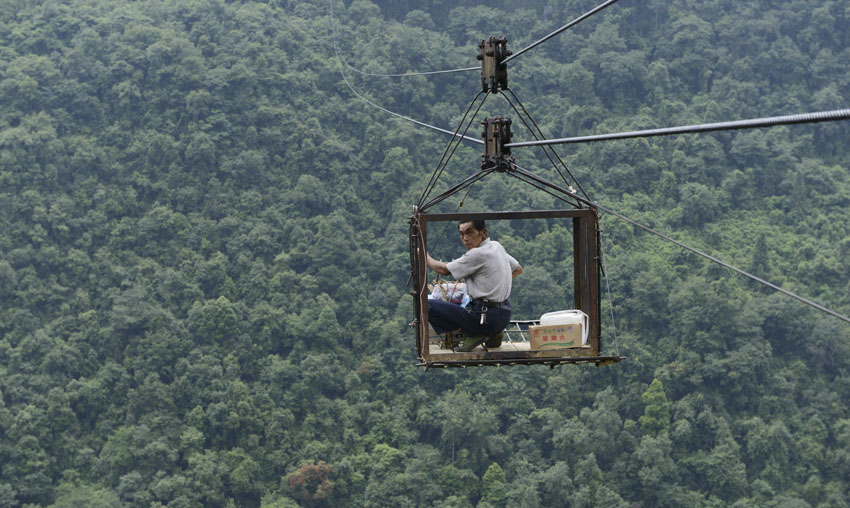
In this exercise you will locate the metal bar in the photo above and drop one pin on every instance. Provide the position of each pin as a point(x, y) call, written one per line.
point(506, 215)
point(512, 361)
point(822, 116)
point(592, 281)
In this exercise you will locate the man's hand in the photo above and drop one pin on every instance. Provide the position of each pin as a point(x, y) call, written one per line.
point(437, 266)
point(517, 271)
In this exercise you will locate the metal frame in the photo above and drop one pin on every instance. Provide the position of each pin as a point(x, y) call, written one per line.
point(587, 273)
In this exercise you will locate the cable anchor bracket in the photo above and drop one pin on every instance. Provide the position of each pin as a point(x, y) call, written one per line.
point(497, 133)
point(494, 72)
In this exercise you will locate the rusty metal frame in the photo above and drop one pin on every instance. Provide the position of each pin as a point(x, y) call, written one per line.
point(587, 274)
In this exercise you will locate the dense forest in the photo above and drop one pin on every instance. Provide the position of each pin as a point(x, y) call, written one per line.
point(204, 256)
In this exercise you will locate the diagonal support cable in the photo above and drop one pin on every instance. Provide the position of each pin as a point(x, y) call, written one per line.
point(540, 132)
point(726, 265)
point(822, 116)
point(444, 160)
point(565, 27)
point(539, 181)
point(474, 177)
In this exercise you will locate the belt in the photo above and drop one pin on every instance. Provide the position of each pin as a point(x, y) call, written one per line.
point(493, 305)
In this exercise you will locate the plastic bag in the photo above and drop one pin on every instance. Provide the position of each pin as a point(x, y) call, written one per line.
point(454, 292)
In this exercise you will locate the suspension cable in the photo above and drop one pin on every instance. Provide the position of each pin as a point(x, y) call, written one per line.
point(355, 92)
point(565, 27)
point(540, 131)
point(545, 149)
point(441, 166)
point(438, 170)
point(822, 116)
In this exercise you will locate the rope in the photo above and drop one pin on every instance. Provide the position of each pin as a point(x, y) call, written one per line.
point(355, 92)
point(556, 32)
point(822, 116)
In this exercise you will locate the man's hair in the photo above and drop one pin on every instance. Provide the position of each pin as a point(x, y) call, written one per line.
point(477, 224)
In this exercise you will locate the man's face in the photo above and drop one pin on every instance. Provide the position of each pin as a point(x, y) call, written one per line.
point(470, 236)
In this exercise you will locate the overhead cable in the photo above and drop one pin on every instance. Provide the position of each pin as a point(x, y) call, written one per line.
point(565, 27)
point(355, 92)
point(406, 74)
point(536, 181)
point(823, 116)
point(727, 265)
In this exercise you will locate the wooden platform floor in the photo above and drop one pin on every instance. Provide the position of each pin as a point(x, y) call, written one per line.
point(506, 347)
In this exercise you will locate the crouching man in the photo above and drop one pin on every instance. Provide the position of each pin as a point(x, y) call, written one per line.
point(488, 272)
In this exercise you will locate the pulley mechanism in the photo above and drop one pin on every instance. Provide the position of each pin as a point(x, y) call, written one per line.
point(494, 72)
point(497, 133)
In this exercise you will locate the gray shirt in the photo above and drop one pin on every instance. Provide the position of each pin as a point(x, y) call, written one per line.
point(486, 269)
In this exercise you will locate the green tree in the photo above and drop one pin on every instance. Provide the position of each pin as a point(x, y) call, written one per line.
point(493, 490)
point(656, 414)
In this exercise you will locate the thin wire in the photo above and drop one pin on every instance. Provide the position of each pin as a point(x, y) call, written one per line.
point(726, 265)
point(610, 298)
point(406, 74)
point(527, 174)
point(355, 92)
point(556, 32)
point(822, 116)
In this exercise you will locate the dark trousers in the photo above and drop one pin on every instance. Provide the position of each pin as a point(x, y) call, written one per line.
point(445, 317)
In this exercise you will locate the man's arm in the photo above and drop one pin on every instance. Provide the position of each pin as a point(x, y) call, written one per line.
point(517, 271)
point(437, 266)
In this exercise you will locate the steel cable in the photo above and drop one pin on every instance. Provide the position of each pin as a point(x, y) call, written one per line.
point(726, 265)
point(540, 131)
point(439, 170)
point(556, 32)
point(821, 116)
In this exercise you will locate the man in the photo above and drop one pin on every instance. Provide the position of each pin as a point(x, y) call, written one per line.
point(488, 271)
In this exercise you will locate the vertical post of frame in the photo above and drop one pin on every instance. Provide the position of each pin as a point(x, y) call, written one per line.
point(586, 274)
point(418, 247)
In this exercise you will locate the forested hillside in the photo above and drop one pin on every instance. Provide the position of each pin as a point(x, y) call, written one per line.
point(204, 256)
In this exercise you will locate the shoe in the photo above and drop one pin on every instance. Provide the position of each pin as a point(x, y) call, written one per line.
point(470, 343)
point(495, 340)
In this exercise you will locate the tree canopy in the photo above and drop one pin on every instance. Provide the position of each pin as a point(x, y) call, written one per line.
point(203, 256)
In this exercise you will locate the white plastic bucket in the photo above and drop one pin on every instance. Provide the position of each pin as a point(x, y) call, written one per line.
point(567, 317)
